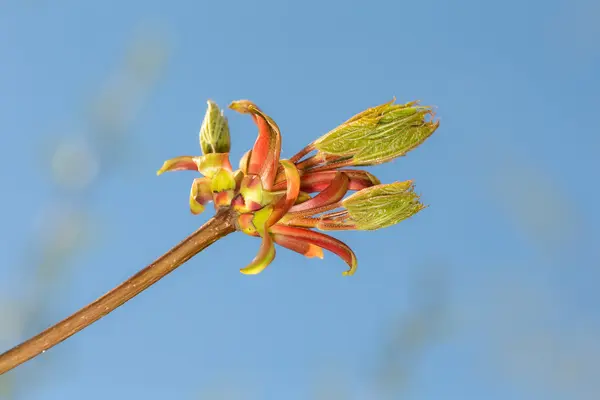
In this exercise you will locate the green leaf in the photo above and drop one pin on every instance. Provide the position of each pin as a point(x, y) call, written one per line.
point(383, 205)
point(379, 134)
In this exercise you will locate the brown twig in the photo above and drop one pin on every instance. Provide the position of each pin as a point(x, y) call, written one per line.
point(217, 227)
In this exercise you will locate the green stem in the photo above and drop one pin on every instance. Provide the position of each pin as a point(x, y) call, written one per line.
point(217, 227)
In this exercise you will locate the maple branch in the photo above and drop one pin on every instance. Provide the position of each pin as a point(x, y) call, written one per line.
point(217, 227)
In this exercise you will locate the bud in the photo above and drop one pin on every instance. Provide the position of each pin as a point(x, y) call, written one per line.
point(214, 132)
point(382, 205)
point(285, 202)
point(379, 134)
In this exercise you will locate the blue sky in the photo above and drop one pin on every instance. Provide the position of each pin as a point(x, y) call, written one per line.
point(95, 96)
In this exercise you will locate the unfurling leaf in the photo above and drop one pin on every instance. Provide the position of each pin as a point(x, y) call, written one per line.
point(382, 205)
point(379, 134)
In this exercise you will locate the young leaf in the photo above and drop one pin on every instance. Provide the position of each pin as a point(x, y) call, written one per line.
point(214, 132)
point(379, 134)
point(382, 205)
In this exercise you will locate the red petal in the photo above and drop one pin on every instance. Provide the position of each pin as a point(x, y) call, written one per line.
point(260, 151)
point(332, 194)
point(317, 181)
point(299, 246)
point(264, 158)
point(293, 189)
point(311, 182)
point(321, 240)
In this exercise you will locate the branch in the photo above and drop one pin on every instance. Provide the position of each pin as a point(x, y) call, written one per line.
point(217, 227)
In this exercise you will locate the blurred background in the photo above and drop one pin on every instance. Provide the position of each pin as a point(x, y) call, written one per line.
point(490, 293)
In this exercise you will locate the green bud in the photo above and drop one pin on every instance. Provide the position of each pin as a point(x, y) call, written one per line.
point(382, 205)
point(379, 134)
point(214, 132)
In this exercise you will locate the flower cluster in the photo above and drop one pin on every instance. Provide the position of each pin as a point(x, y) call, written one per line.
point(285, 201)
